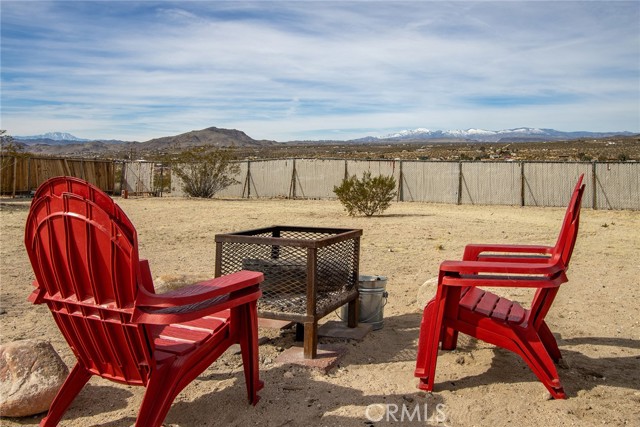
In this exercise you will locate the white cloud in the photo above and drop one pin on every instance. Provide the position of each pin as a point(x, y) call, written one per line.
point(281, 69)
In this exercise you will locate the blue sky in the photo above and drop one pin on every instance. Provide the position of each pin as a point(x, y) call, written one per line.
point(287, 70)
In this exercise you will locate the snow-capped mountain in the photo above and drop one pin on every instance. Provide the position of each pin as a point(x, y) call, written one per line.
point(54, 136)
point(482, 135)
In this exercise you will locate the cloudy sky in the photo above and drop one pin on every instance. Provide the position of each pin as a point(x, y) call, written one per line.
point(287, 70)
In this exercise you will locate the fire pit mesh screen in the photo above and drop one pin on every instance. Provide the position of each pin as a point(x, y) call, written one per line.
point(285, 269)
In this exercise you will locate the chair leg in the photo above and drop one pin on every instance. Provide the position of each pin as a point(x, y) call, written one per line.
point(249, 349)
point(77, 378)
point(450, 339)
point(423, 339)
point(159, 395)
point(549, 342)
point(535, 354)
point(430, 330)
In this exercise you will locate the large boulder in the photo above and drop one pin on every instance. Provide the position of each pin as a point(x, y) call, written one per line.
point(31, 373)
point(427, 291)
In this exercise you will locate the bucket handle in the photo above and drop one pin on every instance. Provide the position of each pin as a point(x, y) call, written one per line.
point(385, 295)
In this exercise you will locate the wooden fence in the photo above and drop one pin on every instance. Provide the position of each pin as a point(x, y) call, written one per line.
point(22, 175)
point(610, 185)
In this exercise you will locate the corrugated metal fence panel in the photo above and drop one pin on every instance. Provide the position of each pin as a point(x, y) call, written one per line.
point(551, 184)
point(376, 167)
point(271, 178)
point(138, 177)
point(618, 186)
point(491, 183)
point(430, 181)
point(235, 190)
point(316, 178)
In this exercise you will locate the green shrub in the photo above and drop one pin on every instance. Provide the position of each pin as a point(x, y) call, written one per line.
point(368, 195)
point(204, 173)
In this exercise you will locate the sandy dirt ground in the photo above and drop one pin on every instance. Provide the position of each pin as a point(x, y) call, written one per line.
point(595, 319)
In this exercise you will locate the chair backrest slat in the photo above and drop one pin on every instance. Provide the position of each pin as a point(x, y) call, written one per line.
point(83, 250)
point(569, 230)
point(561, 253)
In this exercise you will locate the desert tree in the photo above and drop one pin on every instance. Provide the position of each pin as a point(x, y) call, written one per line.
point(367, 195)
point(9, 146)
point(205, 172)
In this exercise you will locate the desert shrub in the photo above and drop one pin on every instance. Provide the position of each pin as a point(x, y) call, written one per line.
point(584, 157)
point(205, 172)
point(367, 196)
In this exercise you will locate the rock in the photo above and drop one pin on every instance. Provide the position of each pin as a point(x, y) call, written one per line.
point(460, 360)
point(31, 373)
point(427, 291)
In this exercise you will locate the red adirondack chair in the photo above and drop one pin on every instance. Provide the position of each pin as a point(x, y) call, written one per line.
point(460, 305)
point(84, 253)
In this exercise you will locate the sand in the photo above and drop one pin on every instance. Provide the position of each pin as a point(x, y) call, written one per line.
point(594, 317)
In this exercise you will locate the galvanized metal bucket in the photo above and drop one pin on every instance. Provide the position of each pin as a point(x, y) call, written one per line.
point(373, 298)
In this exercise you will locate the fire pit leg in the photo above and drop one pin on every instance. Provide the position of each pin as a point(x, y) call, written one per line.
point(352, 314)
point(310, 340)
point(299, 332)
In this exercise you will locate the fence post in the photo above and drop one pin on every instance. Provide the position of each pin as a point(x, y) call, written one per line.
point(594, 182)
point(522, 184)
point(15, 171)
point(29, 174)
point(122, 177)
point(346, 170)
point(247, 181)
point(401, 180)
point(459, 183)
point(161, 177)
point(292, 186)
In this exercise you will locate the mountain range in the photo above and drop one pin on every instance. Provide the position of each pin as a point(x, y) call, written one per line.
point(523, 134)
point(65, 144)
point(217, 137)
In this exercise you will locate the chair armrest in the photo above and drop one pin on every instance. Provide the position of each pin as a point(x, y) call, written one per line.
point(197, 300)
point(185, 313)
point(475, 267)
point(505, 281)
point(473, 252)
point(200, 291)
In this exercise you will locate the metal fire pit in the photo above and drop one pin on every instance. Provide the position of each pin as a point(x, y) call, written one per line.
point(309, 272)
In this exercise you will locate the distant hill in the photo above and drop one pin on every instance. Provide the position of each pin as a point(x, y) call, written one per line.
point(213, 136)
point(61, 144)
